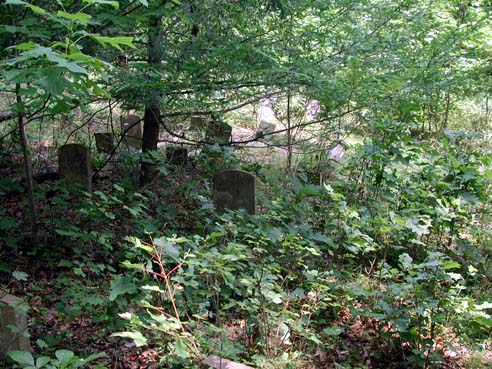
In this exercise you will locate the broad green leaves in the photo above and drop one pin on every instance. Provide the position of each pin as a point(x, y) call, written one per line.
point(81, 18)
point(64, 359)
point(121, 286)
point(114, 4)
point(116, 42)
point(136, 336)
point(53, 60)
point(22, 357)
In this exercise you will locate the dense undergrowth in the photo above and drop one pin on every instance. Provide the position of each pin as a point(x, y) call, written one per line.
point(386, 264)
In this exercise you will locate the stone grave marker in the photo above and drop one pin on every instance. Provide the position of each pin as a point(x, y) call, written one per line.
point(197, 122)
point(176, 155)
point(74, 165)
point(13, 324)
point(104, 142)
point(132, 130)
point(265, 128)
point(234, 189)
point(219, 132)
point(217, 362)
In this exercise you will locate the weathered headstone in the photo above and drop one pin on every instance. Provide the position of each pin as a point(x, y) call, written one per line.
point(74, 165)
point(132, 130)
point(265, 128)
point(234, 189)
point(198, 122)
point(219, 132)
point(13, 324)
point(217, 362)
point(177, 155)
point(104, 142)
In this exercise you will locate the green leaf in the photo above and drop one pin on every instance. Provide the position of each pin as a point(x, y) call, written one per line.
point(181, 348)
point(92, 357)
point(77, 17)
point(64, 356)
point(153, 288)
point(36, 9)
point(42, 361)
point(64, 63)
point(115, 41)
point(114, 4)
point(482, 320)
point(21, 357)
point(25, 46)
point(333, 331)
point(405, 261)
point(144, 2)
point(450, 264)
point(15, 2)
point(130, 265)
point(54, 83)
point(121, 286)
point(136, 336)
point(274, 297)
point(166, 247)
point(20, 276)
point(414, 225)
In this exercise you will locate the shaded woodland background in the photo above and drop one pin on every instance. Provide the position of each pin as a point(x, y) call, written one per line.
point(367, 125)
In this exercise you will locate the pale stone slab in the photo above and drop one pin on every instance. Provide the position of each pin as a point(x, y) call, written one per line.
point(75, 166)
point(234, 189)
point(217, 362)
point(13, 325)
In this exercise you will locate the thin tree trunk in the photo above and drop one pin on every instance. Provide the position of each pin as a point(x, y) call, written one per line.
point(27, 168)
point(446, 112)
point(289, 136)
point(152, 113)
point(487, 109)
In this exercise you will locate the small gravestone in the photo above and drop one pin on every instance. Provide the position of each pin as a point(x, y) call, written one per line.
point(234, 189)
point(13, 324)
point(219, 132)
point(265, 128)
point(132, 130)
point(74, 165)
point(104, 142)
point(217, 362)
point(177, 155)
point(198, 122)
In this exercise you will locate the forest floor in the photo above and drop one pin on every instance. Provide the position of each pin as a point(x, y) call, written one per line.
point(64, 315)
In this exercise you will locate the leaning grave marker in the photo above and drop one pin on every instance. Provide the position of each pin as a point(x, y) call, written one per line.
point(13, 324)
point(234, 189)
point(74, 165)
point(104, 142)
point(132, 130)
point(265, 128)
point(219, 132)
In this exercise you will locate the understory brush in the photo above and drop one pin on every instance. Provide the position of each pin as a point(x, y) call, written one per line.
point(392, 253)
point(386, 264)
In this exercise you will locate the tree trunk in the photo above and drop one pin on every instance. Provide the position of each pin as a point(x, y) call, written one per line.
point(27, 168)
point(289, 136)
point(152, 113)
point(150, 139)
